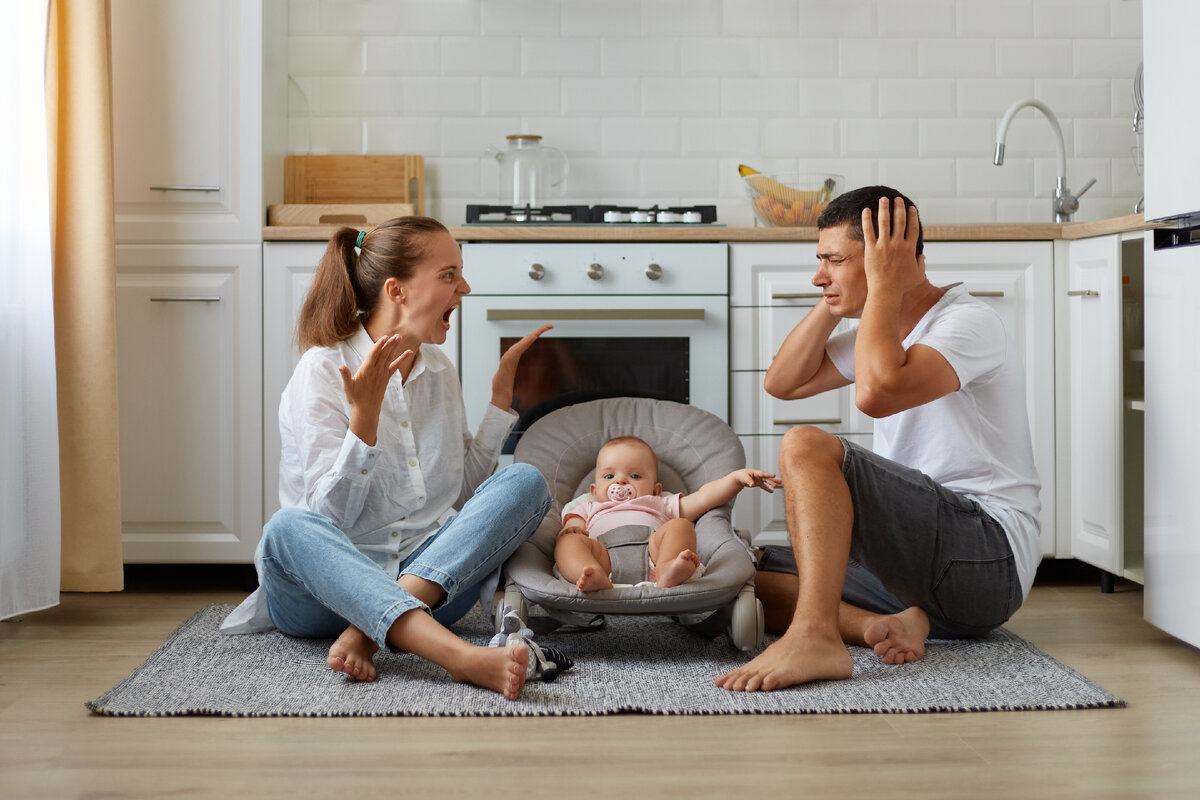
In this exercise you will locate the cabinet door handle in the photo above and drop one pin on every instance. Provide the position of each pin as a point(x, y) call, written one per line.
point(185, 299)
point(794, 422)
point(797, 296)
point(535, 314)
point(184, 188)
point(986, 293)
point(1083, 293)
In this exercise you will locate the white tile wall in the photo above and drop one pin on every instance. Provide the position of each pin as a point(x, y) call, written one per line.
point(657, 101)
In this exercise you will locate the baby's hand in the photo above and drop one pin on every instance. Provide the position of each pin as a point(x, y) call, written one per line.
point(571, 529)
point(757, 477)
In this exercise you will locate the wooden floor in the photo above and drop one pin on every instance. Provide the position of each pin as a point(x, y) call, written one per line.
point(52, 662)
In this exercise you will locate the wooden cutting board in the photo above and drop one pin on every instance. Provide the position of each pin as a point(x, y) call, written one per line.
point(354, 179)
point(354, 214)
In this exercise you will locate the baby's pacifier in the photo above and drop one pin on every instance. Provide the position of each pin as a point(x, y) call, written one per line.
point(621, 491)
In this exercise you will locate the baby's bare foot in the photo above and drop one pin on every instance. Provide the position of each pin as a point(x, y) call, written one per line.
point(899, 638)
point(678, 570)
point(352, 654)
point(592, 580)
point(501, 669)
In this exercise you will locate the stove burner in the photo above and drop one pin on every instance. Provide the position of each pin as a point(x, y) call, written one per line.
point(583, 215)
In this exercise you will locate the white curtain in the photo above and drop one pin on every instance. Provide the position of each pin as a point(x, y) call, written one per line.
point(29, 476)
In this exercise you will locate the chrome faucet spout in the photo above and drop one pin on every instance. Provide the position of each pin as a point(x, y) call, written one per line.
point(1061, 148)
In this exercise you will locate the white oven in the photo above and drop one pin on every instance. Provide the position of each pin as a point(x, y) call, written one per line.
point(646, 319)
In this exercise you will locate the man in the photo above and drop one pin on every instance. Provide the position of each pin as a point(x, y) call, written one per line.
point(936, 532)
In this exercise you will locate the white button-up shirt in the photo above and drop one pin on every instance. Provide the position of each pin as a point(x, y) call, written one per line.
point(391, 497)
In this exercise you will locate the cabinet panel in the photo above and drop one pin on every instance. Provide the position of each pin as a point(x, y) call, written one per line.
point(189, 341)
point(187, 109)
point(1096, 422)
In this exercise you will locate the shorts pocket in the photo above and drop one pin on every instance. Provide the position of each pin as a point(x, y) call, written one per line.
point(978, 595)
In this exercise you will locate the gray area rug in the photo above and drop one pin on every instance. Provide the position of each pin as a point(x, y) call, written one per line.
point(635, 664)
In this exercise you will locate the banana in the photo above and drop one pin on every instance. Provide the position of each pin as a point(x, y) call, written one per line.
point(769, 187)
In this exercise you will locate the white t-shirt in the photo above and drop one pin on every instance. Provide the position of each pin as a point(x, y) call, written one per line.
point(974, 441)
point(389, 498)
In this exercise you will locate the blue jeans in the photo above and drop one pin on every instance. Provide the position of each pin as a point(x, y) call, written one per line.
point(317, 582)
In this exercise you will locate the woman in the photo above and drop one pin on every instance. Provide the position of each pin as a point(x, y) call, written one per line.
point(377, 458)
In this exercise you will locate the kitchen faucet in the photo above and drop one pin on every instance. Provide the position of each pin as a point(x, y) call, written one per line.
point(1065, 203)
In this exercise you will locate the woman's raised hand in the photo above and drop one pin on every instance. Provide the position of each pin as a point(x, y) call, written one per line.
point(365, 388)
point(502, 381)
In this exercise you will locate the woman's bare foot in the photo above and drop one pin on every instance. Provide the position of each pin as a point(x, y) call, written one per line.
point(352, 654)
point(796, 657)
point(501, 669)
point(592, 580)
point(899, 638)
point(678, 570)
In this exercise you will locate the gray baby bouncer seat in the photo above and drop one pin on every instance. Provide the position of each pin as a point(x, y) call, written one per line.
point(693, 447)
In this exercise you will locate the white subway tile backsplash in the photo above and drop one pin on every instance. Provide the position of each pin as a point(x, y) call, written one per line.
point(681, 18)
point(820, 18)
point(719, 137)
point(956, 58)
point(639, 57)
point(1024, 58)
point(880, 137)
point(802, 137)
point(760, 97)
point(403, 56)
point(560, 56)
point(911, 97)
point(877, 58)
point(638, 136)
point(1068, 18)
point(658, 100)
point(441, 97)
point(680, 97)
point(798, 58)
point(587, 97)
point(325, 56)
point(720, 57)
point(759, 18)
point(920, 177)
point(509, 96)
point(838, 98)
point(918, 18)
point(602, 17)
point(1005, 19)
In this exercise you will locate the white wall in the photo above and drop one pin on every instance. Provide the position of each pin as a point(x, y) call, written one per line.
point(659, 100)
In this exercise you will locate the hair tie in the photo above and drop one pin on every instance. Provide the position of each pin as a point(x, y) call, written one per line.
point(361, 235)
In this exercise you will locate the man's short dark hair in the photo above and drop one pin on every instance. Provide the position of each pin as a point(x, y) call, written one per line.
point(846, 209)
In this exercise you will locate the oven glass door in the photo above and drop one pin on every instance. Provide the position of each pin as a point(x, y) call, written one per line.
point(670, 348)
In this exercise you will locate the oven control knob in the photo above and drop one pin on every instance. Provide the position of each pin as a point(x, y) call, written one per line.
point(537, 272)
point(654, 272)
point(595, 271)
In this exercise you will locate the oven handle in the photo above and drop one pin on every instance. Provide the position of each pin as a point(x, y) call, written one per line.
point(536, 314)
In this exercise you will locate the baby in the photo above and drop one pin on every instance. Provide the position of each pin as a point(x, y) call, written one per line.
point(627, 492)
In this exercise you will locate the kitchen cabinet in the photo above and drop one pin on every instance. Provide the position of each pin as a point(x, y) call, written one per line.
point(189, 353)
point(188, 185)
point(771, 290)
point(288, 269)
point(187, 109)
point(1102, 295)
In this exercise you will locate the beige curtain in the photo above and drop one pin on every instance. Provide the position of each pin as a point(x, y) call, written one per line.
point(79, 116)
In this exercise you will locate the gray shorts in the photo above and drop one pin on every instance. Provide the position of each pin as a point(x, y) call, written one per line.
point(917, 543)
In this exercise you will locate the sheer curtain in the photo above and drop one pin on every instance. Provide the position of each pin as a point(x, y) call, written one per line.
point(29, 483)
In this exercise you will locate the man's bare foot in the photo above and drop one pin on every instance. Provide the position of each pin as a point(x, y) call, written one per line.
point(592, 580)
point(352, 654)
point(794, 658)
point(678, 570)
point(899, 638)
point(501, 669)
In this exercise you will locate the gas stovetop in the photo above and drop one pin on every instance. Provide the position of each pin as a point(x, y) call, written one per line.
point(591, 215)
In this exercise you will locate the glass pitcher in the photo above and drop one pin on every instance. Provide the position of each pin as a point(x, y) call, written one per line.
point(528, 170)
